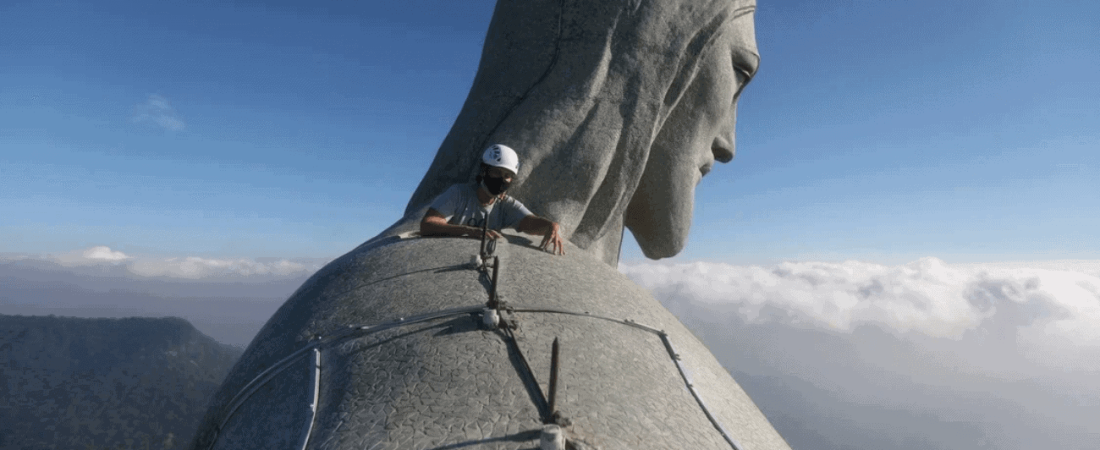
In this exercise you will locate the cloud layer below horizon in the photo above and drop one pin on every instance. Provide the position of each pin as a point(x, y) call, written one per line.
point(920, 355)
point(924, 355)
point(1049, 309)
point(190, 267)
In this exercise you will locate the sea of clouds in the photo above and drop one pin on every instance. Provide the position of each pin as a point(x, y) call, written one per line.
point(838, 355)
point(919, 355)
point(1049, 310)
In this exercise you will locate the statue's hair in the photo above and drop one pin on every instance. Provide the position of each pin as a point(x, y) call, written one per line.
point(580, 95)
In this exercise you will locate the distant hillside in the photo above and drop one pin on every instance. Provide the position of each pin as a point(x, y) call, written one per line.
point(134, 383)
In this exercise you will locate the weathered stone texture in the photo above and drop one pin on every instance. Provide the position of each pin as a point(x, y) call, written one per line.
point(450, 382)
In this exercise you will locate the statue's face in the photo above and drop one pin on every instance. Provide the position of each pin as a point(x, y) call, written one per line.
point(698, 132)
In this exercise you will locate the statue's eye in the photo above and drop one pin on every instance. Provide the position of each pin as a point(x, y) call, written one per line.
point(745, 63)
point(743, 79)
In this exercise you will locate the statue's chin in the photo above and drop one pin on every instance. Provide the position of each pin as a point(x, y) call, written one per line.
point(656, 244)
point(660, 223)
point(659, 226)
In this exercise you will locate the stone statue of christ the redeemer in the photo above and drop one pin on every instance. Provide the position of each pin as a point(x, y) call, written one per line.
point(617, 109)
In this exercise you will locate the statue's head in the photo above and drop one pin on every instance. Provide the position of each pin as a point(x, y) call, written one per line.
point(616, 107)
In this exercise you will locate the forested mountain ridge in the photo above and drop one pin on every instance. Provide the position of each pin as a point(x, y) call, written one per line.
point(139, 383)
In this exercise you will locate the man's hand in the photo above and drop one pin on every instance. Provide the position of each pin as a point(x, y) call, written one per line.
point(551, 236)
point(492, 234)
point(552, 242)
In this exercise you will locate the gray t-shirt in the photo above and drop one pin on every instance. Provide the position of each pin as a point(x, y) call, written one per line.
point(460, 206)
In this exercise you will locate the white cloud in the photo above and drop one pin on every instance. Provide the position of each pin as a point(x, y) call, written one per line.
point(104, 253)
point(1051, 312)
point(194, 267)
point(157, 110)
point(190, 267)
point(98, 255)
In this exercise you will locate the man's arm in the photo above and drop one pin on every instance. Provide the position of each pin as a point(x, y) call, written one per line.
point(551, 237)
point(435, 224)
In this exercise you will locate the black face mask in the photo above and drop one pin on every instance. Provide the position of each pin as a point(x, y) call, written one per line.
point(495, 185)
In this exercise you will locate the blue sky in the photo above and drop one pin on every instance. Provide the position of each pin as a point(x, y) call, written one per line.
point(881, 131)
point(169, 157)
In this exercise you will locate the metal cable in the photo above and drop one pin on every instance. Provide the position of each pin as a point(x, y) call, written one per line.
point(358, 330)
point(672, 353)
point(316, 373)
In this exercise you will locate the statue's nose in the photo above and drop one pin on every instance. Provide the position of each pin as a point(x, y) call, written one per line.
point(723, 148)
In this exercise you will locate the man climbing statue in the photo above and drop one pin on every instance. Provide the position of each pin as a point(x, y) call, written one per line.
point(463, 209)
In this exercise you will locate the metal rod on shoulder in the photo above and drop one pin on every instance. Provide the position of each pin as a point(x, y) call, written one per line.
point(484, 236)
point(493, 301)
point(554, 367)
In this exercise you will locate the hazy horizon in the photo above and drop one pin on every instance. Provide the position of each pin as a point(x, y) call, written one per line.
point(850, 354)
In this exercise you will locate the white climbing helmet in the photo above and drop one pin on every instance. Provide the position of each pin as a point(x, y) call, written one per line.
point(501, 156)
